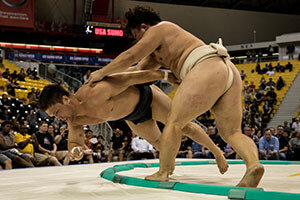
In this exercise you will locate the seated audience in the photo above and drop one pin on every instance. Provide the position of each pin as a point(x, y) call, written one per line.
point(9, 147)
point(117, 145)
point(243, 74)
point(296, 125)
point(21, 75)
point(27, 145)
point(283, 143)
point(6, 73)
point(280, 83)
point(46, 143)
point(270, 84)
point(185, 150)
point(141, 149)
point(289, 67)
point(294, 145)
point(268, 146)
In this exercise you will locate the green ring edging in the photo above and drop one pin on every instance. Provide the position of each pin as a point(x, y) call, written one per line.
point(230, 191)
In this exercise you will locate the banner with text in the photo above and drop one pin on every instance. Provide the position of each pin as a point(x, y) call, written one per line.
point(18, 13)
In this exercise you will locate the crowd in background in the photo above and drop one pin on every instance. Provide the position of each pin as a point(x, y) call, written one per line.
point(30, 138)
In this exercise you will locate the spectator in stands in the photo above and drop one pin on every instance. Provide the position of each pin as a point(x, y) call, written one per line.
point(252, 86)
point(86, 76)
point(263, 83)
point(243, 74)
point(294, 145)
point(286, 126)
point(267, 111)
point(99, 148)
point(117, 145)
point(268, 146)
point(28, 144)
point(5, 115)
point(265, 69)
point(259, 96)
point(270, 50)
point(270, 84)
point(229, 152)
point(185, 150)
point(246, 85)
point(289, 67)
point(283, 143)
point(6, 74)
point(51, 130)
point(29, 71)
point(271, 97)
point(248, 131)
point(45, 140)
point(197, 150)
point(11, 86)
point(88, 137)
point(61, 141)
point(270, 73)
point(248, 96)
point(32, 96)
point(296, 125)
point(141, 149)
point(273, 131)
point(127, 148)
point(257, 68)
point(21, 75)
point(280, 83)
point(14, 75)
point(211, 131)
point(37, 94)
point(9, 147)
point(5, 162)
point(270, 67)
point(290, 49)
point(257, 119)
point(246, 110)
point(278, 67)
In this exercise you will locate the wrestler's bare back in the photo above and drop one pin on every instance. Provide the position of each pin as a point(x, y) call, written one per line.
point(98, 108)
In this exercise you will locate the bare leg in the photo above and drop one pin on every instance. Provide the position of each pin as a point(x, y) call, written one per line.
point(161, 106)
point(8, 164)
point(90, 158)
point(228, 114)
point(53, 160)
point(121, 153)
point(66, 160)
point(196, 133)
point(196, 94)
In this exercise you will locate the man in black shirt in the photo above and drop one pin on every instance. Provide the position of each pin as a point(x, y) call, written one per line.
point(283, 143)
point(46, 143)
point(117, 145)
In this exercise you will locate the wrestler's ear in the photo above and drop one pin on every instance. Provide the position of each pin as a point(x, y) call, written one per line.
point(144, 26)
point(66, 99)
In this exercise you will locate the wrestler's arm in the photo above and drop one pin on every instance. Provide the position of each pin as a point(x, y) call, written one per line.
point(146, 63)
point(143, 48)
point(75, 136)
point(121, 81)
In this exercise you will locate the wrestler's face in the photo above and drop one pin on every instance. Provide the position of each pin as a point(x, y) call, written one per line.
point(62, 111)
point(138, 32)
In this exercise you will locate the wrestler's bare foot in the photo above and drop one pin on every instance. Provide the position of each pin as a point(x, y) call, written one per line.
point(252, 176)
point(222, 163)
point(158, 177)
point(172, 169)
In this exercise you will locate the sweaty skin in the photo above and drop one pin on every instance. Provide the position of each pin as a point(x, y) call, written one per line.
point(202, 89)
point(114, 98)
